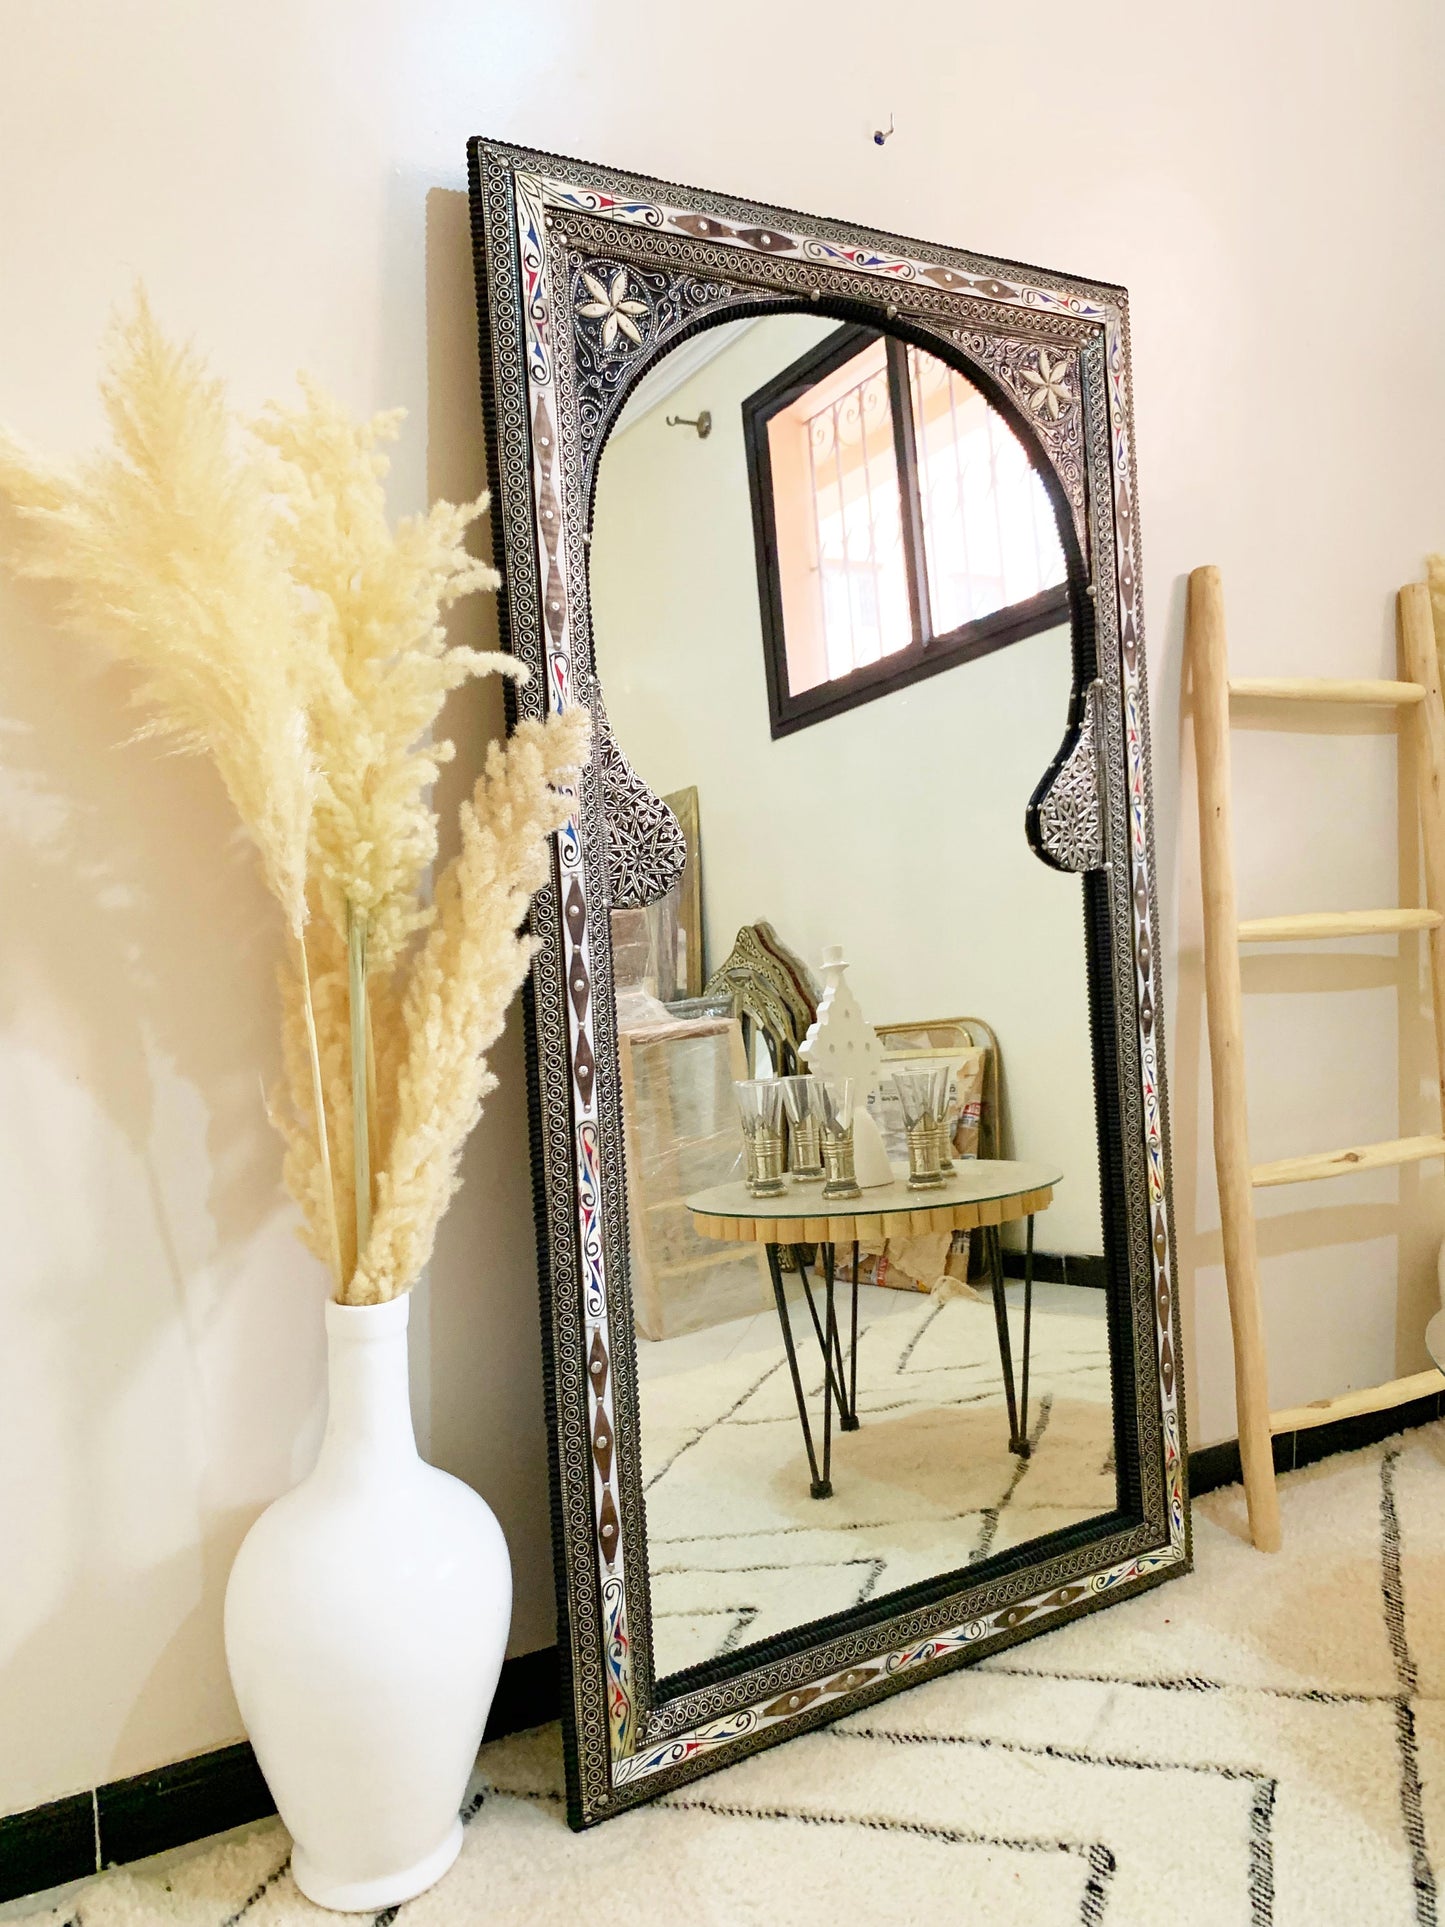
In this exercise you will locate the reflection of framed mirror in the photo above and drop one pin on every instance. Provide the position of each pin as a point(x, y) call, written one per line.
point(966, 804)
point(689, 969)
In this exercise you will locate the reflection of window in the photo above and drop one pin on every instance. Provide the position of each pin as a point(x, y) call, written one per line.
point(900, 526)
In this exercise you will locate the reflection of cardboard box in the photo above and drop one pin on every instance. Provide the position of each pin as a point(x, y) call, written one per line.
point(916, 1264)
point(682, 1135)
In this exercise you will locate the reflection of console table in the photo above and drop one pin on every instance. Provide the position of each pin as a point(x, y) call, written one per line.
point(983, 1194)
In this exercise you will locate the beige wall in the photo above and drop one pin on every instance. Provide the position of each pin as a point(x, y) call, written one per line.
point(1267, 181)
point(896, 829)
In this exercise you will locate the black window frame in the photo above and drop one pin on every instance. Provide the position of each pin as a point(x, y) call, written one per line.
point(927, 654)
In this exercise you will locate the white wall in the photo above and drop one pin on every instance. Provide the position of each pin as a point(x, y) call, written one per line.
point(1266, 180)
point(896, 829)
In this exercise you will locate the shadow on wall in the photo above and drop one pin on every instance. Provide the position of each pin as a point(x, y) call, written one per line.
point(162, 1363)
point(485, 1347)
point(162, 1352)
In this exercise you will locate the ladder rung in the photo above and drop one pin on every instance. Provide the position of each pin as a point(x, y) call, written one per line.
point(1336, 923)
point(1373, 1398)
point(1321, 689)
point(1361, 1157)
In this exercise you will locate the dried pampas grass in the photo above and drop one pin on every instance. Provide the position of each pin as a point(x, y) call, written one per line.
point(467, 972)
point(279, 624)
point(164, 550)
point(378, 664)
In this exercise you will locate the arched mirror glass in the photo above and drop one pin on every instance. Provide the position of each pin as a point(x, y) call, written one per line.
point(858, 523)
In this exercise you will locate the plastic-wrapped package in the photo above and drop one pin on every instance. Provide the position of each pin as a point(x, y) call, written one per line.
point(682, 1135)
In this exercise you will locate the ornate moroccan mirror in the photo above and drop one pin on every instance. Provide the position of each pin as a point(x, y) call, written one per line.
point(836, 534)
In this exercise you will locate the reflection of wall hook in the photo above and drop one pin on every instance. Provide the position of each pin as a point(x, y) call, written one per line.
point(703, 423)
point(880, 134)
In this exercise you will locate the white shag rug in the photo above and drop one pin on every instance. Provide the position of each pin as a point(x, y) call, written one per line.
point(738, 1549)
point(1259, 1745)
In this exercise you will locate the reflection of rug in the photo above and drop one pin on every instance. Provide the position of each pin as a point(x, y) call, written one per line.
point(740, 1551)
point(1263, 1742)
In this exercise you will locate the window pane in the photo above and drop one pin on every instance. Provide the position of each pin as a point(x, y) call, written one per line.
point(840, 542)
point(988, 526)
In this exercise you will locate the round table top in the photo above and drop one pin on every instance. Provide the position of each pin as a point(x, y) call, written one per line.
point(1435, 1339)
point(981, 1191)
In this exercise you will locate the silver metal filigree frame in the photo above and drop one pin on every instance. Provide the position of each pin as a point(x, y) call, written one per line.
point(585, 276)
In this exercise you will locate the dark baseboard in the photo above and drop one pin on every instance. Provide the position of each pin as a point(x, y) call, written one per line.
point(47, 1846)
point(1059, 1268)
point(174, 1805)
point(528, 1694)
point(1217, 1465)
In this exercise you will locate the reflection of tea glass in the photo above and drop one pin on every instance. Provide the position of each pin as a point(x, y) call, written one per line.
point(943, 1069)
point(803, 1101)
point(922, 1093)
point(836, 1096)
point(760, 1106)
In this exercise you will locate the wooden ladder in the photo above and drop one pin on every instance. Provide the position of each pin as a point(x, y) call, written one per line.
point(1418, 699)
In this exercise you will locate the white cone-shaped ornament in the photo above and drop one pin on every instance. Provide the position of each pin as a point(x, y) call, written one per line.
point(842, 1043)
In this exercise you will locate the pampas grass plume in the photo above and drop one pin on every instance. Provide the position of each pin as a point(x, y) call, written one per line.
point(277, 623)
point(162, 546)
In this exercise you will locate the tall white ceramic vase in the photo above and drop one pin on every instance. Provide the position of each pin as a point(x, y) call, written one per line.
point(366, 1620)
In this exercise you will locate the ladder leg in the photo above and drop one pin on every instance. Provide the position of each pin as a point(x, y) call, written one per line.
point(1422, 665)
point(1223, 999)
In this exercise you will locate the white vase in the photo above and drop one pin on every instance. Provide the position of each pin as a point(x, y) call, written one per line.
point(366, 1619)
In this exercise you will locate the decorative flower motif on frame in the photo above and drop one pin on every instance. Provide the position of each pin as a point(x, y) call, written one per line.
point(612, 305)
point(1033, 372)
point(1051, 392)
point(671, 301)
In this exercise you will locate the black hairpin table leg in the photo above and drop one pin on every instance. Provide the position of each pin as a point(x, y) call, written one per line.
point(994, 1247)
point(847, 1382)
point(832, 1354)
point(1021, 1443)
point(850, 1417)
point(830, 1345)
point(821, 1486)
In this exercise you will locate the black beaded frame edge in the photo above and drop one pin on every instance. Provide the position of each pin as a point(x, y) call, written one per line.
point(732, 257)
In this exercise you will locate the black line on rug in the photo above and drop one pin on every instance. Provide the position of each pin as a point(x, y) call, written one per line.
point(794, 1565)
point(741, 1616)
point(1261, 1807)
point(1096, 1856)
point(1189, 1683)
point(1393, 1595)
point(1261, 1854)
point(258, 1893)
point(919, 1330)
point(824, 1526)
point(923, 1402)
point(870, 1584)
point(1096, 1887)
point(993, 1513)
point(721, 1419)
point(916, 1829)
point(1046, 1750)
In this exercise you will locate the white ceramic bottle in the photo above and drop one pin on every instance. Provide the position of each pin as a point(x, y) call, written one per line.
point(366, 1620)
point(842, 1043)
